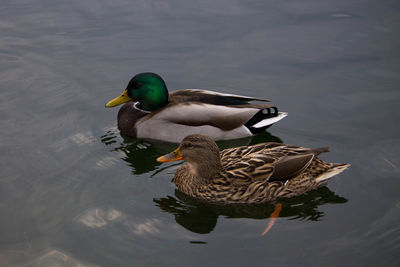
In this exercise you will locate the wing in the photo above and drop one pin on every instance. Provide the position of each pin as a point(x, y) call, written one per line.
point(268, 161)
point(222, 110)
point(250, 164)
point(289, 167)
point(210, 97)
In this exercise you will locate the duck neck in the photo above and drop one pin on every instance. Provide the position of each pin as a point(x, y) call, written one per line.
point(205, 169)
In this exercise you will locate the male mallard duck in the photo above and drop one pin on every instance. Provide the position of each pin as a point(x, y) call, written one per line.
point(155, 114)
point(248, 174)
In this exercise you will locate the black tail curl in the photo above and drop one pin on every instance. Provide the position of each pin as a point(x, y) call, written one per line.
point(263, 114)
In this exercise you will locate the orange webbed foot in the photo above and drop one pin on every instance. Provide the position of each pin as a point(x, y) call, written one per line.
point(274, 215)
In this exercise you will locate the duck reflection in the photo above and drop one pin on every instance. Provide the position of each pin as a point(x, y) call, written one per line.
point(202, 218)
point(141, 155)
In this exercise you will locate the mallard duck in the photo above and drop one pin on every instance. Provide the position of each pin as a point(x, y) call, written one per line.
point(248, 174)
point(153, 113)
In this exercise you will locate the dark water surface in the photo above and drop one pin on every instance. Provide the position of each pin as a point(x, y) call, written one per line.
point(73, 191)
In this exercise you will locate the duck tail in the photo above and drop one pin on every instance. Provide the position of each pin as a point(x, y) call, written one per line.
point(263, 119)
point(335, 169)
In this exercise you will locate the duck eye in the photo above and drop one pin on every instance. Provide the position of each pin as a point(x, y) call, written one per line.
point(187, 146)
point(135, 85)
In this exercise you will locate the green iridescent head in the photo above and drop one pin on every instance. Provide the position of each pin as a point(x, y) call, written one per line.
point(147, 88)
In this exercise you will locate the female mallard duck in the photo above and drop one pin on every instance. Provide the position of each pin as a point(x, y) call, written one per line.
point(155, 114)
point(248, 174)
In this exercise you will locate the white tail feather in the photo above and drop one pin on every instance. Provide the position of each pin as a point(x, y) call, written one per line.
point(332, 172)
point(270, 121)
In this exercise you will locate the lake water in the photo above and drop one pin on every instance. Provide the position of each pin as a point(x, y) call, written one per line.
point(73, 191)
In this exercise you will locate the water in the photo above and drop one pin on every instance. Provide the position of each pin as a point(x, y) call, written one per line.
point(73, 191)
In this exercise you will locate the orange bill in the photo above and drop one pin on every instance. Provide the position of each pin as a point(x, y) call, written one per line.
point(173, 156)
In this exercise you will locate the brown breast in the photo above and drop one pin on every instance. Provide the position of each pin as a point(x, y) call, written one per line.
point(128, 115)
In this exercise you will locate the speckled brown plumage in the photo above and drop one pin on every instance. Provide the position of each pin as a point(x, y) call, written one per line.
point(248, 174)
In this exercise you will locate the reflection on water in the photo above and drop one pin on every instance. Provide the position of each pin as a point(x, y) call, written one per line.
point(141, 155)
point(202, 218)
point(68, 199)
point(97, 217)
point(57, 258)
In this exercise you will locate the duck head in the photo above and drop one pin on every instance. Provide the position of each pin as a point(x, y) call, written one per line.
point(147, 88)
point(200, 152)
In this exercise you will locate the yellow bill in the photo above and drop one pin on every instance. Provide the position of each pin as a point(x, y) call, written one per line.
point(123, 98)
